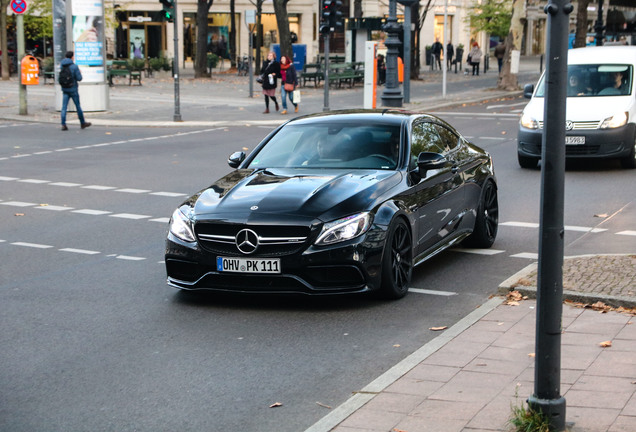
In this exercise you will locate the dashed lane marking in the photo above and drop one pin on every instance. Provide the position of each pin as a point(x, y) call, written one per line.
point(130, 216)
point(32, 245)
point(627, 233)
point(526, 255)
point(95, 187)
point(91, 212)
point(479, 251)
point(432, 292)
point(54, 208)
point(566, 227)
point(80, 251)
point(18, 204)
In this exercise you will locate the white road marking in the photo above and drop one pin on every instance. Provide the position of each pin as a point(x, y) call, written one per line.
point(479, 251)
point(34, 181)
point(91, 212)
point(628, 233)
point(583, 229)
point(80, 251)
point(130, 216)
point(520, 224)
point(65, 184)
point(2, 178)
point(32, 245)
point(98, 187)
point(161, 220)
point(134, 191)
point(432, 292)
point(129, 258)
point(18, 204)
point(168, 194)
point(54, 208)
point(64, 149)
point(526, 255)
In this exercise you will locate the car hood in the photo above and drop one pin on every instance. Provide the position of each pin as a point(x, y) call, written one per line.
point(308, 194)
point(579, 109)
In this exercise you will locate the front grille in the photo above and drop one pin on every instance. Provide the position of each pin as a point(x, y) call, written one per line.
point(577, 150)
point(273, 240)
point(580, 125)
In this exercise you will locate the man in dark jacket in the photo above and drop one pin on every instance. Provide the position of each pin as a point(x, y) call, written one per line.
point(72, 92)
point(437, 50)
point(450, 52)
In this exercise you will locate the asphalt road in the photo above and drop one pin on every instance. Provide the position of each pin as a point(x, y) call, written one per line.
point(94, 339)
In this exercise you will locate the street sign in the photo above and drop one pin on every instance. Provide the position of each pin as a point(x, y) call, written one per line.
point(250, 17)
point(18, 6)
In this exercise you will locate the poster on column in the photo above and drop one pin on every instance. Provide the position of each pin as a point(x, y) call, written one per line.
point(88, 38)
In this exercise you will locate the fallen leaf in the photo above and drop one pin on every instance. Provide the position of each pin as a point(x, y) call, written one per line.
point(109, 133)
point(323, 405)
point(398, 430)
point(503, 132)
point(245, 149)
point(532, 355)
point(19, 214)
point(602, 215)
point(276, 405)
point(396, 346)
point(606, 344)
point(438, 328)
point(43, 205)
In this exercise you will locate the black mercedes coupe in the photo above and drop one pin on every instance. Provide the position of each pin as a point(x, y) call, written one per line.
point(338, 202)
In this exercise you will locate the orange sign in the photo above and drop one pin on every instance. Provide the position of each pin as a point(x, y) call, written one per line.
point(30, 70)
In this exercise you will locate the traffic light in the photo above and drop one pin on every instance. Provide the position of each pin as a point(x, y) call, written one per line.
point(167, 13)
point(331, 17)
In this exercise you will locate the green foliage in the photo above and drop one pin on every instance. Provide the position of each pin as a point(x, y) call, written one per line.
point(48, 64)
point(156, 63)
point(213, 60)
point(38, 19)
point(167, 64)
point(492, 17)
point(136, 64)
point(527, 420)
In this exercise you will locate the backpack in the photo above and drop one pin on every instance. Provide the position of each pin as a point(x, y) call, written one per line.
point(65, 78)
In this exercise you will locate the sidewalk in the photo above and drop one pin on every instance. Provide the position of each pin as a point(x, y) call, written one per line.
point(224, 99)
point(469, 378)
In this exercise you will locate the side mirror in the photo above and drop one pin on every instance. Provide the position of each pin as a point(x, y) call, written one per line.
point(428, 161)
point(235, 159)
point(528, 89)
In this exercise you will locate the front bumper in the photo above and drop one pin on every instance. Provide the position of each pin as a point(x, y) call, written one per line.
point(599, 143)
point(349, 267)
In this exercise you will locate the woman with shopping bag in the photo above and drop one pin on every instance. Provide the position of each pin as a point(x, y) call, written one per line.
point(289, 80)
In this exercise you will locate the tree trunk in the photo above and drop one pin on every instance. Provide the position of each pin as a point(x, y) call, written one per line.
point(201, 59)
point(284, 35)
point(507, 80)
point(580, 37)
point(259, 36)
point(3, 40)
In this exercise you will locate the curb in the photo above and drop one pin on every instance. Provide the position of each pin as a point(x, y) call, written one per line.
point(513, 284)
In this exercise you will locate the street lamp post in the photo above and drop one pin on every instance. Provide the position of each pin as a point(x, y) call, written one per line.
point(599, 24)
point(407, 48)
point(392, 95)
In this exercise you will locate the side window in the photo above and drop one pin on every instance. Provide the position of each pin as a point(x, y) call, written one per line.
point(424, 138)
point(450, 138)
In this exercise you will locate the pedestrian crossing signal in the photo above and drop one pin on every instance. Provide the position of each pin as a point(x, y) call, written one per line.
point(167, 13)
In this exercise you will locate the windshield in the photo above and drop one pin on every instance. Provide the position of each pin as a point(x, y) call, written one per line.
point(596, 80)
point(332, 145)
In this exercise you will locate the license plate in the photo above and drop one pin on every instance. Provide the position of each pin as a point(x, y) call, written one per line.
point(575, 140)
point(247, 265)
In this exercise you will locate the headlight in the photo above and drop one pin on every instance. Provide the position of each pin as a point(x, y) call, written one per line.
point(529, 122)
point(344, 229)
point(615, 121)
point(181, 226)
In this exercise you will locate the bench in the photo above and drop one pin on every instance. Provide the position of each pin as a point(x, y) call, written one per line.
point(49, 75)
point(122, 68)
point(346, 73)
point(312, 72)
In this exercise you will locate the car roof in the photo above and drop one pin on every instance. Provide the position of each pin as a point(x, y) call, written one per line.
point(386, 116)
point(603, 54)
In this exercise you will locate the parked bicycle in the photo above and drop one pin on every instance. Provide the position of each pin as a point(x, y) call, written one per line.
point(243, 66)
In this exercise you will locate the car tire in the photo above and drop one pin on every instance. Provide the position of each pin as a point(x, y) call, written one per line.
point(487, 220)
point(527, 161)
point(629, 162)
point(397, 261)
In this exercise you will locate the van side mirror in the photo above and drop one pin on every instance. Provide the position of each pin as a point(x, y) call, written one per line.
point(528, 89)
point(235, 159)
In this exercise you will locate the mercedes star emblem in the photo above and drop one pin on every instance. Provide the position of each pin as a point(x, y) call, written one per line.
point(247, 241)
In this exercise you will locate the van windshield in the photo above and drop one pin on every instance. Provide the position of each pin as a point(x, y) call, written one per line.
point(596, 80)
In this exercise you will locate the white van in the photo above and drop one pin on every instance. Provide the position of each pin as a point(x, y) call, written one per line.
point(601, 108)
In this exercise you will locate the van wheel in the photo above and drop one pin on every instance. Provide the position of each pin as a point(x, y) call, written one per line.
point(527, 162)
point(629, 162)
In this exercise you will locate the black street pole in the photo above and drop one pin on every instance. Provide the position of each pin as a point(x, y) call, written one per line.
point(599, 24)
point(547, 376)
point(175, 66)
point(407, 48)
point(326, 107)
point(392, 96)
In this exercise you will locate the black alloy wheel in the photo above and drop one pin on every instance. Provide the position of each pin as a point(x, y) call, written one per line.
point(487, 221)
point(397, 263)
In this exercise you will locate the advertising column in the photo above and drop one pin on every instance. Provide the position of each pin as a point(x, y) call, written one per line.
point(85, 19)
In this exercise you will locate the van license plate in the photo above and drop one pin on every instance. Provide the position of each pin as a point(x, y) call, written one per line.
point(247, 265)
point(575, 140)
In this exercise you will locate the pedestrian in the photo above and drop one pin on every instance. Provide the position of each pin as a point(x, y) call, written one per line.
point(381, 69)
point(70, 89)
point(289, 81)
point(475, 57)
point(500, 51)
point(450, 52)
point(269, 74)
point(437, 50)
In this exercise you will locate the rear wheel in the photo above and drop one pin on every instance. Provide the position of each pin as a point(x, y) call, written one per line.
point(487, 221)
point(397, 263)
point(527, 161)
